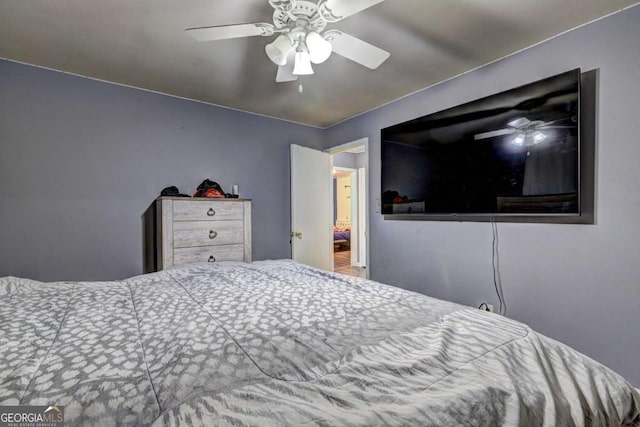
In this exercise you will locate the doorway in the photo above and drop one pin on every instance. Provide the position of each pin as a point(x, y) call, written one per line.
point(349, 201)
point(312, 221)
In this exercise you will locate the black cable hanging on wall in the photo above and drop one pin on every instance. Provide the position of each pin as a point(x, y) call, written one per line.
point(495, 263)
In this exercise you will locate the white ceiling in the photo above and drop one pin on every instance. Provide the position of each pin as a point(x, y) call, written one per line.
point(142, 43)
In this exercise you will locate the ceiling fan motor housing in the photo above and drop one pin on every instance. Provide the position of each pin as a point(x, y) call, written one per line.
point(283, 5)
point(304, 11)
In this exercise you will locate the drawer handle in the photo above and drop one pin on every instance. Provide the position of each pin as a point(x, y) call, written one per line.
point(211, 212)
point(211, 259)
point(212, 234)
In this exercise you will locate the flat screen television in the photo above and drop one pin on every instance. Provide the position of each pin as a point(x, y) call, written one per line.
point(516, 153)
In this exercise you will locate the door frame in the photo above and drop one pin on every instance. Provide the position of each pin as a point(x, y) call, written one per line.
point(354, 212)
point(367, 191)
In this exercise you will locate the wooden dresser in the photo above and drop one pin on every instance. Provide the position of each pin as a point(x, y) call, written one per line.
point(191, 230)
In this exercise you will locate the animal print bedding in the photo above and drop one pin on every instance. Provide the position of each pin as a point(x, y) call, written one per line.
point(280, 343)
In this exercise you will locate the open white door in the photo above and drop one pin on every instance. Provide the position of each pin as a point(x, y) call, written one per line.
point(311, 222)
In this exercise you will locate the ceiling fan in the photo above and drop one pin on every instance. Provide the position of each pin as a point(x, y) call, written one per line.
point(301, 42)
point(525, 132)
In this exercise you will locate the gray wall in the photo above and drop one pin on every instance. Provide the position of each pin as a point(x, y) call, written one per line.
point(81, 160)
point(349, 160)
point(579, 284)
point(345, 160)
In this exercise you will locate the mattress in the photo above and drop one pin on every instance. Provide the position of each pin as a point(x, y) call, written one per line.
point(281, 343)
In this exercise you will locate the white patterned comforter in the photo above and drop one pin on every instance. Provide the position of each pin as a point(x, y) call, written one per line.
point(279, 343)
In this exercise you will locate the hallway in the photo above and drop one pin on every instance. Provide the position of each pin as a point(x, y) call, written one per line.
point(342, 264)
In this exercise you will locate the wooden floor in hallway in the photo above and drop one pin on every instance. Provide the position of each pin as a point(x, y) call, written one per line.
point(342, 264)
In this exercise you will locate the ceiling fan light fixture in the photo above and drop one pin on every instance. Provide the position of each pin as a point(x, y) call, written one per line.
point(278, 50)
point(319, 48)
point(518, 139)
point(538, 136)
point(302, 65)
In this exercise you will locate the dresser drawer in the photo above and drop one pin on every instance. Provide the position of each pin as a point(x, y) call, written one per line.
point(205, 210)
point(208, 253)
point(206, 233)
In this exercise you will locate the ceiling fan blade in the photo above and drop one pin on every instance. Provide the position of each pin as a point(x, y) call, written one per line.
point(493, 133)
point(285, 72)
point(356, 50)
point(335, 10)
point(223, 32)
point(554, 127)
point(553, 123)
point(520, 122)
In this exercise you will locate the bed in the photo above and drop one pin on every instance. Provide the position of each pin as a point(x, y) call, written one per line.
point(342, 235)
point(281, 343)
